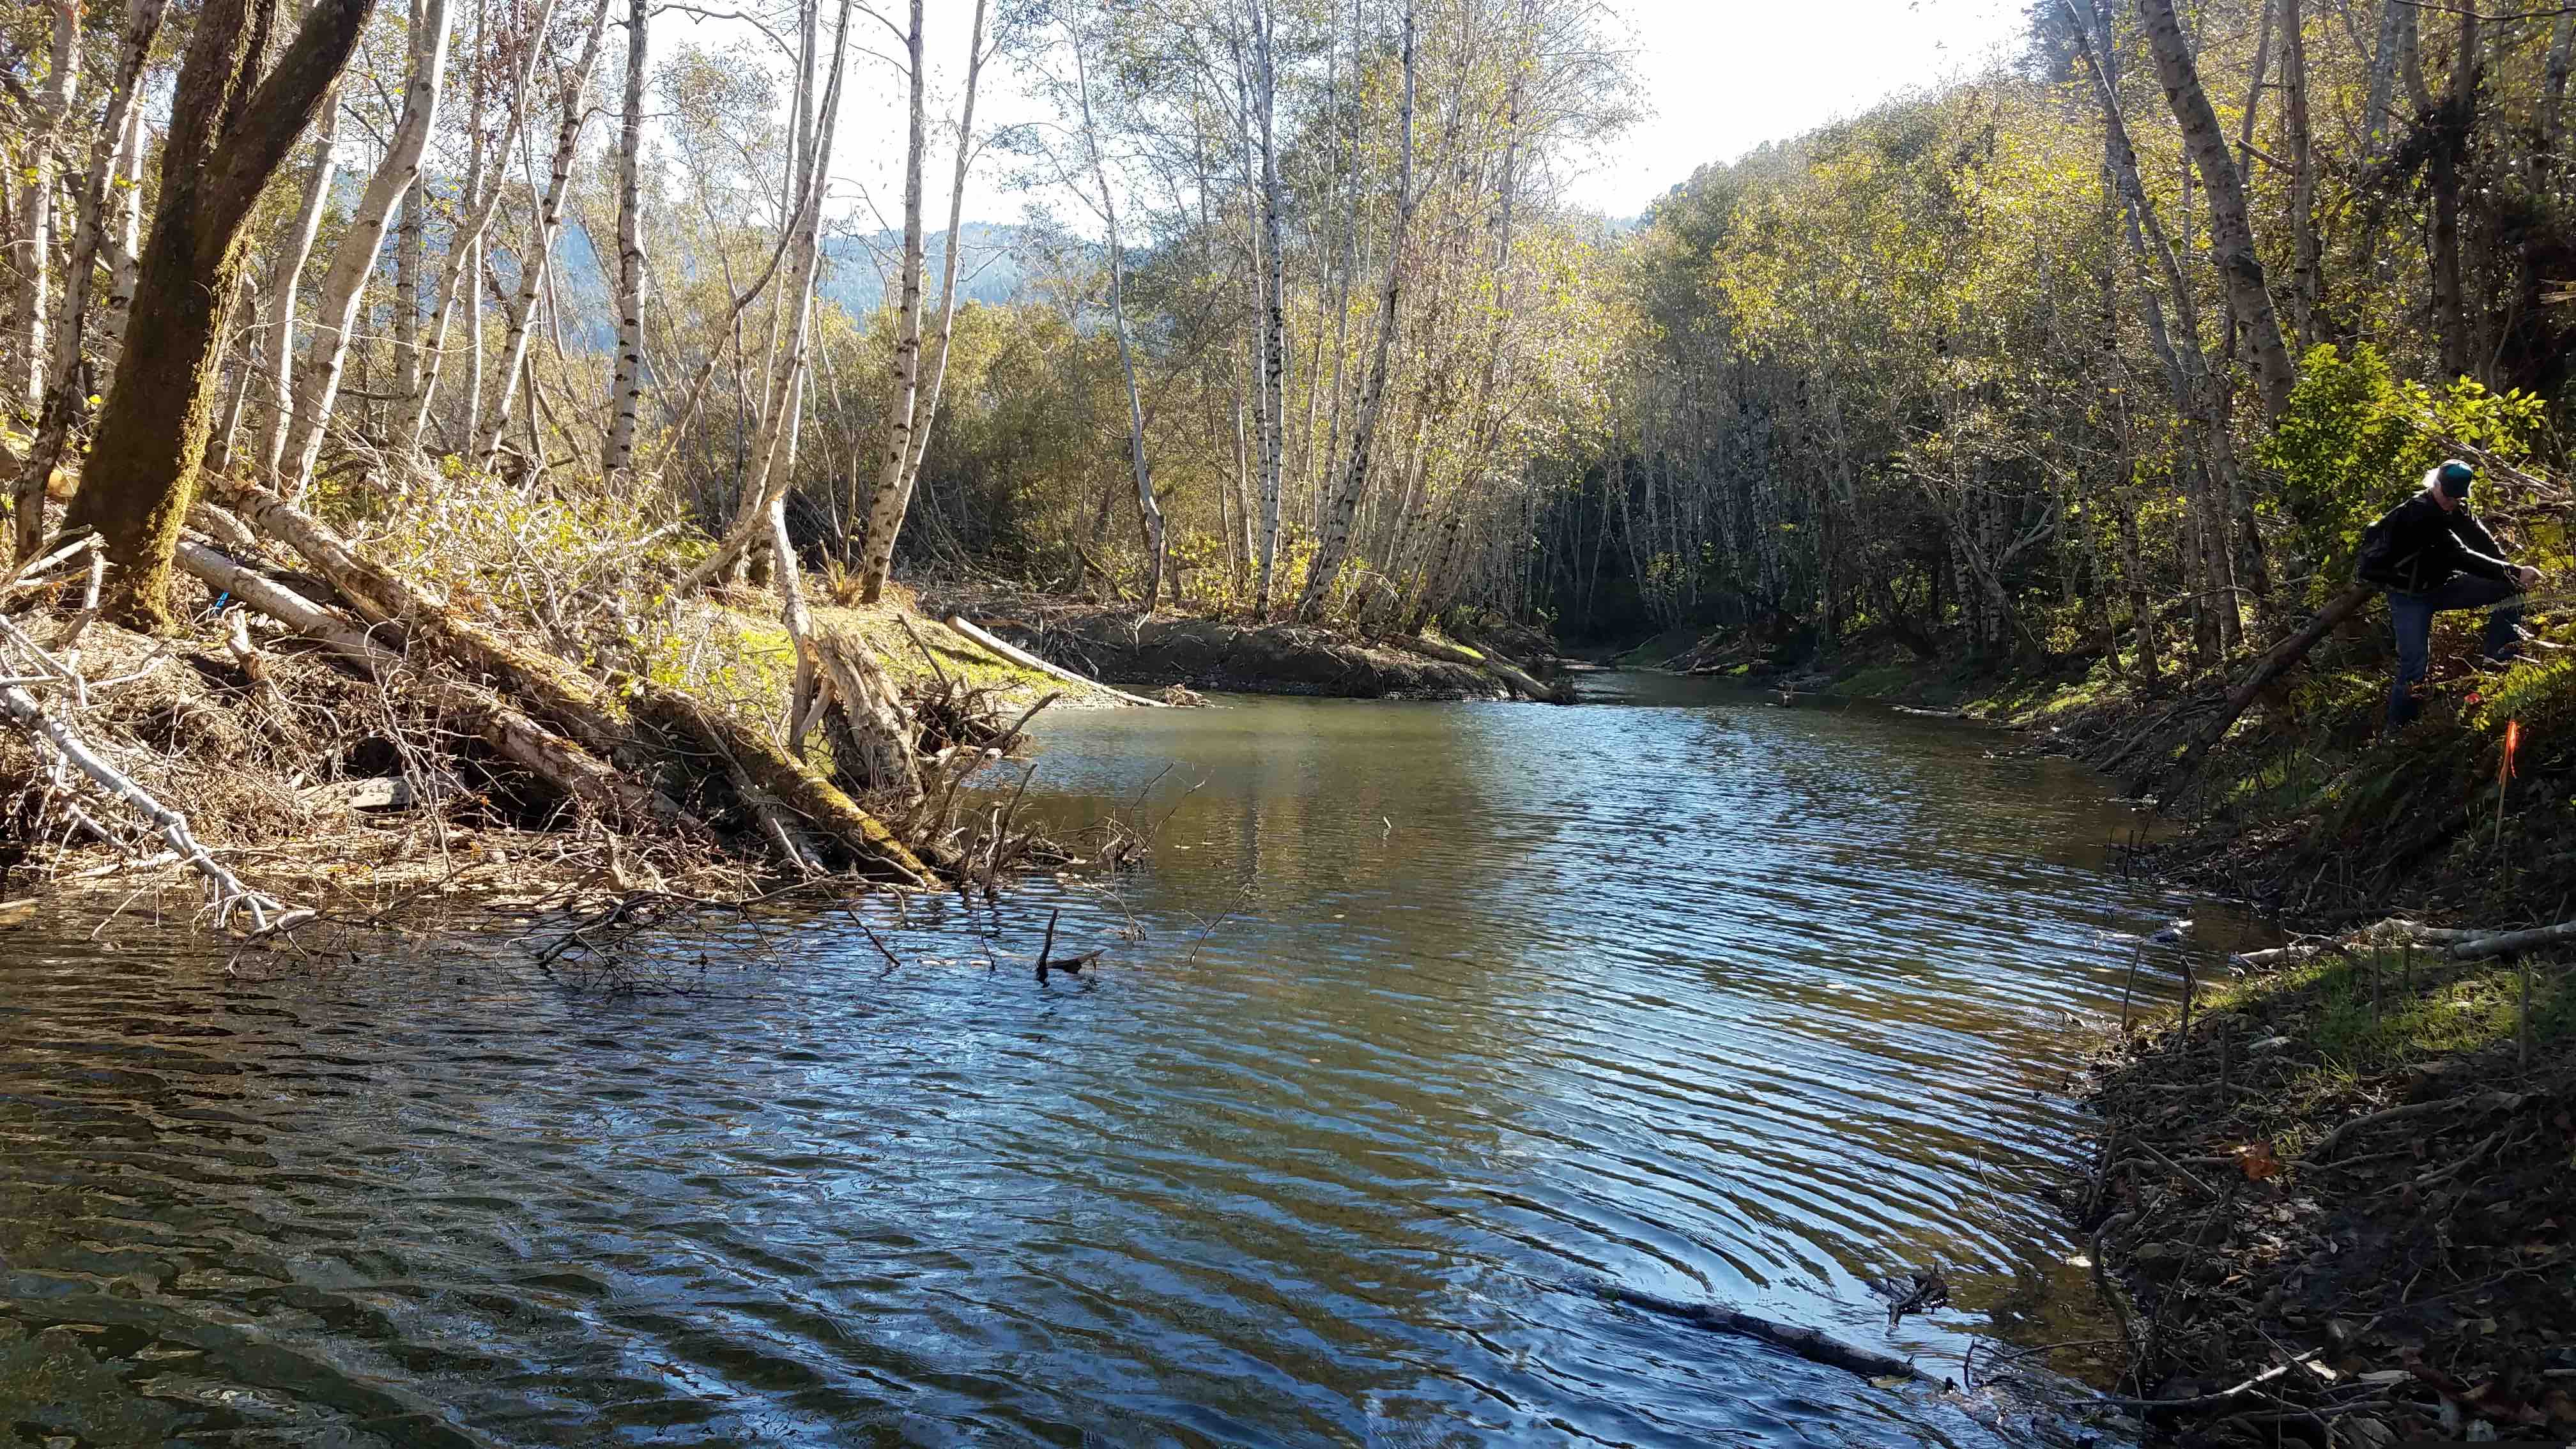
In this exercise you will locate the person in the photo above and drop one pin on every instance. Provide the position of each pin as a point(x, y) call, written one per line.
point(2430, 553)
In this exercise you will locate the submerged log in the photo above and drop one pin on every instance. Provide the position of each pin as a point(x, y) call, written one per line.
point(1806, 1343)
point(1013, 654)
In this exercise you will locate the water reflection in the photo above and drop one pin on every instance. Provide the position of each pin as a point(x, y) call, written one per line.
point(1425, 1016)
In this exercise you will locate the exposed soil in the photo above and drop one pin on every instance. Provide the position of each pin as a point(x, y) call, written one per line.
point(1115, 645)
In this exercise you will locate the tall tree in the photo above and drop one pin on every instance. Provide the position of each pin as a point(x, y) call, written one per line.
point(887, 509)
point(33, 244)
point(344, 282)
point(1334, 544)
point(118, 135)
point(230, 129)
point(538, 262)
point(2231, 230)
point(1274, 296)
point(626, 387)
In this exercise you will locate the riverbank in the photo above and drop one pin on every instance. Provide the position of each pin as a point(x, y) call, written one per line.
point(1115, 644)
point(458, 692)
point(2341, 1195)
point(2338, 1197)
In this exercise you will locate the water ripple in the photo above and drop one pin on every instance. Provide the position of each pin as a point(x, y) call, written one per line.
point(1425, 1017)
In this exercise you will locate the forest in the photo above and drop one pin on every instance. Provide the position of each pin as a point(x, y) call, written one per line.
point(2107, 350)
point(568, 467)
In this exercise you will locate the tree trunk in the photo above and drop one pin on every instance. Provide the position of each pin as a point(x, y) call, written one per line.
point(460, 277)
point(124, 231)
point(2396, 37)
point(2271, 666)
point(891, 499)
point(1149, 513)
point(2553, 96)
point(119, 134)
point(539, 259)
point(286, 276)
point(1274, 302)
point(626, 389)
point(344, 283)
point(2307, 288)
point(773, 449)
point(246, 333)
point(885, 520)
point(2452, 126)
point(229, 132)
point(2231, 232)
point(34, 242)
point(1333, 546)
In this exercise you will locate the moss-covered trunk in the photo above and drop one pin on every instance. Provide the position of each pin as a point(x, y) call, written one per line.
point(230, 130)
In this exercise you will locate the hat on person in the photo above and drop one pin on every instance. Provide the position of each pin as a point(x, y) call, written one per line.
point(2456, 477)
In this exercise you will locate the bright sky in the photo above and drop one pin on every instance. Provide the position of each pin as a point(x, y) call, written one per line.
point(1723, 76)
point(1720, 77)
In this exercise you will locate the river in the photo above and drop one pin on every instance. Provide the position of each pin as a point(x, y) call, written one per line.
point(1422, 1018)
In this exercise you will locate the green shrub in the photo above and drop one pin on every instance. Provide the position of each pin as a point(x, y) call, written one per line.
point(2356, 438)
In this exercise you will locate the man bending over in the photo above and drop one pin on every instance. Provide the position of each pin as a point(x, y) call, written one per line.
point(2431, 553)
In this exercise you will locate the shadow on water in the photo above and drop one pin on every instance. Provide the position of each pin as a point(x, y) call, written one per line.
point(1423, 1016)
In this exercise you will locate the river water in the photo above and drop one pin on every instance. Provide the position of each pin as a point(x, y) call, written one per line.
point(1423, 1018)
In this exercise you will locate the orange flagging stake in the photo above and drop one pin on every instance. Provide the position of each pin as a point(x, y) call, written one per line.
point(2504, 772)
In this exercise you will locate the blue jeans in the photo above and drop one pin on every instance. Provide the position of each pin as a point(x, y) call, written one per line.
point(2412, 614)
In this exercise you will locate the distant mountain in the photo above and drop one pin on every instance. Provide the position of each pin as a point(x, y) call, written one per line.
point(853, 275)
point(988, 267)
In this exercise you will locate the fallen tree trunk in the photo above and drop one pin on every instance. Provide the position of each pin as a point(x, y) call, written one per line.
point(2513, 942)
point(550, 689)
point(2455, 943)
point(2278, 661)
point(1806, 1343)
point(571, 702)
point(824, 807)
point(1512, 676)
point(566, 767)
point(1013, 654)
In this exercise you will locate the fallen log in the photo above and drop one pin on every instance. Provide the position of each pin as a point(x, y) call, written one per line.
point(859, 836)
point(550, 689)
point(563, 765)
point(1520, 678)
point(571, 702)
point(1806, 1343)
point(1013, 654)
point(2274, 663)
point(1512, 676)
point(2508, 943)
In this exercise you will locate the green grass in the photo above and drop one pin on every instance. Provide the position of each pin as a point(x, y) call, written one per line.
point(2370, 1014)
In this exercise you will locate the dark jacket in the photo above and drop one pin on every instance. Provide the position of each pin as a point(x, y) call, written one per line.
point(2416, 547)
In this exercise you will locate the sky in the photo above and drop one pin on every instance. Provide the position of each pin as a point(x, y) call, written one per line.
point(1723, 76)
point(1719, 78)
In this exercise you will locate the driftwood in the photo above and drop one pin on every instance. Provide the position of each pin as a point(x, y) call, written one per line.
point(1013, 654)
point(823, 807)
point(231, 897)
point(1515, 678)
point(1806, 1343)
point(2455, 943)
point(565, 766)
point(2274, 663)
